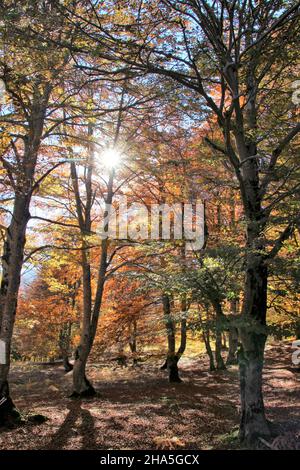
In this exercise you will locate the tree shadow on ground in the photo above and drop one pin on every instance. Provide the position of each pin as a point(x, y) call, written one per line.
point(70, 426)
point(137, 406)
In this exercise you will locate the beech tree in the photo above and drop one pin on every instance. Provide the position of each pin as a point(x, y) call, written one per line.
point(31, 114)
point(248, 51)
point(94, 185)
point(242, 47)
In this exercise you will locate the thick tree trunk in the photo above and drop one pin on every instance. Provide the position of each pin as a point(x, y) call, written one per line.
point(172, 366)
point(253, 332)
point(251, 355)
point(8, 412)
point(13, 252)
point(12, 261)
point(253, 421)
point(81, 385)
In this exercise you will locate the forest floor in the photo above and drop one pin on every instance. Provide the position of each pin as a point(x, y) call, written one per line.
point(138, 409)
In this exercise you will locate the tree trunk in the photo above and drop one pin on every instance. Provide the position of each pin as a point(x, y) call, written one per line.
point(253, 332)
point(81, 385)
point(171, 363)
point(67, 364)
point(224, 341)
point(13, 250)
point(218, 351)
point(297, 330)
point(173, 359)
point(218, 332)
point(233, 346)
point(8, 412)
point(183, 328)
point(12, 261)
point(206, 339)
point(64, 345)
point(233, 337)
point(251, 355)
point(253, 421)
point(132, 341)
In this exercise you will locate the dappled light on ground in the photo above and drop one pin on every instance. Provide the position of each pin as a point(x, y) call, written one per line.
point(137, 408)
